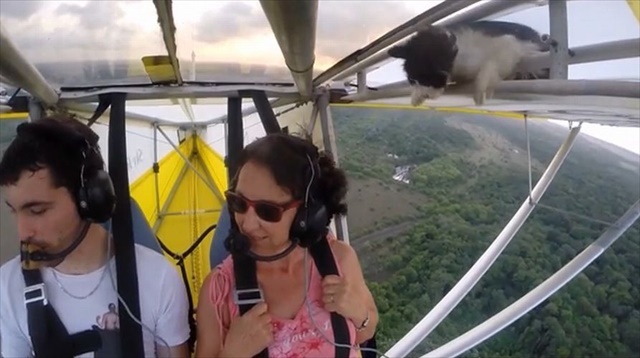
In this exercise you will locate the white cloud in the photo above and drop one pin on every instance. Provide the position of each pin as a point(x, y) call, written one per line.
point(228, 31)
point(236, 32)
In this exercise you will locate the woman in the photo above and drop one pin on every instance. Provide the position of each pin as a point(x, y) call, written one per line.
point(276, 169)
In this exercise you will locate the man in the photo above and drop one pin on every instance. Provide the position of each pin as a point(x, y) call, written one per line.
point(44, 174)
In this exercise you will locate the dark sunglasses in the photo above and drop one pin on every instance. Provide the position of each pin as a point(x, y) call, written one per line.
point(267, 211)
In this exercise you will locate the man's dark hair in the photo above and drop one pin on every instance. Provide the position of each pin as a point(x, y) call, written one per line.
point(57, 143)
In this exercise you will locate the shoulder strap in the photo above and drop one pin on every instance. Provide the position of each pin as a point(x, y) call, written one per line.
point(326, 264)
point(372, 345)
point(247, 293)
point(49, 337)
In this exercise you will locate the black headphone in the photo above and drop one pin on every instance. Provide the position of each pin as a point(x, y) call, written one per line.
point(310, 223)
point(96, 198)
point(309, 226)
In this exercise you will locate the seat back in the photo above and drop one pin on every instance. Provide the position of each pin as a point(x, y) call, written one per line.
point(217, 252)
point(142, 231)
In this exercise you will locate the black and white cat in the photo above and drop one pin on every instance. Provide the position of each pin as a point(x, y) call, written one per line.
point(483, 53)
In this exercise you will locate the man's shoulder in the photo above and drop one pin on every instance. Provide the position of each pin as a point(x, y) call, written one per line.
point(149, 259)
point(152, 265)
point(9, 270)
point(11, 281)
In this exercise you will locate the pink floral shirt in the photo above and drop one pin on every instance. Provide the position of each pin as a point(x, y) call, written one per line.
point(293, 338)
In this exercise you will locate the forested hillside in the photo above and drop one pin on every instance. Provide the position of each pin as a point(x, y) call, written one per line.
point(467, 175)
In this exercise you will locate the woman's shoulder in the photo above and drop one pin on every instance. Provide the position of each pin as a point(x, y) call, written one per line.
point(219, 282)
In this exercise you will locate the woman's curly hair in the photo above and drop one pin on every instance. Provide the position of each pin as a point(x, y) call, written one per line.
point(285, 155)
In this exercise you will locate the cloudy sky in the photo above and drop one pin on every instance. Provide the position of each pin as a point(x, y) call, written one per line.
point(238, 31)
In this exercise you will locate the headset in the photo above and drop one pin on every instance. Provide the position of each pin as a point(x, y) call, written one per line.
point(96, 198)
point(312, 219)
point(309, 225)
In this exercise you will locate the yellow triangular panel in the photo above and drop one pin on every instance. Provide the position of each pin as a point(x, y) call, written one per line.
point(635, 8)
point(188, 204)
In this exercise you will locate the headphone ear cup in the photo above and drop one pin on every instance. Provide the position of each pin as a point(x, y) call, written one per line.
point(97, 200)
point(310, 224)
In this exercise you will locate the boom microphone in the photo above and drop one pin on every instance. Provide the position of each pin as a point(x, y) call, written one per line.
point(275, 257)
point(31, 257)
point(238, 243)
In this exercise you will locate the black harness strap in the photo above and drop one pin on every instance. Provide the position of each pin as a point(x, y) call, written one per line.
point(122, 227)
point(326, 264)
point(247, 293)
point(49, 336)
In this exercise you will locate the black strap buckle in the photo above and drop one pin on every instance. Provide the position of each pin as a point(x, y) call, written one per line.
point(248, 296)
point(35, 293)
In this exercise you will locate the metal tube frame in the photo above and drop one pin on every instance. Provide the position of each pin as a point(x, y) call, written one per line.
point(17, 70)
point(313, 118)
point(167, 24)
point(187, 161)
point(293, 23)
point(147, 92)
point(90, 109)
point(206, 178)
point(480, 267)
point(172, 194)
point(560, 33)
point(559, 87)
point(603, 51)
point(251, 110)
point(362, 81)
point(555, 282)
point(185, 105)
point(329, 142)
point(168, 27)
point(190, 212)
point(36, 110)
point(156, 172)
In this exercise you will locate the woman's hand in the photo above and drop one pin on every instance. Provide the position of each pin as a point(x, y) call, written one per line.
point(249, 334)
point(341, 297)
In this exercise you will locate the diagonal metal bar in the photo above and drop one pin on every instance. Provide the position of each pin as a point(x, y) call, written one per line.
point(251, 110)
point(185, 105)
point(91, 108)
point(330, 145)
point(294, 26)
point(167, 24)
point(495, 324)
point(188, 162)
point(168, 27)
point(17, 70)
point(418, 333)
point(172, 193)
